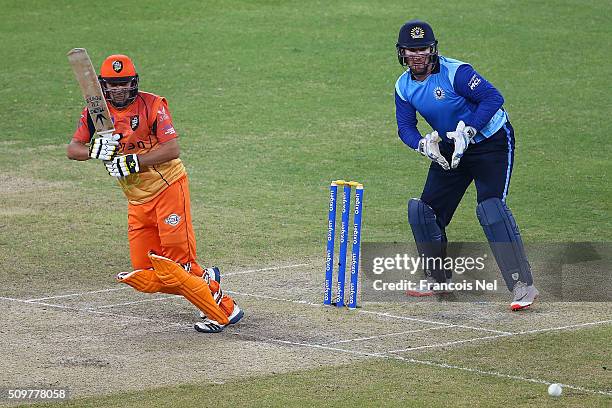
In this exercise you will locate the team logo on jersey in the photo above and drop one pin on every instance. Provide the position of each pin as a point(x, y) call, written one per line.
point(474, 82)
point(173, 220)
point(438, 93)
point(417, 32)
point(117, 66)
point(134, 122)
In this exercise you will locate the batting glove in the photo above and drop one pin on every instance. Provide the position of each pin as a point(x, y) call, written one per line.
point(122, 166)
point(462, 136)
point(104, 146)
point(429, 147)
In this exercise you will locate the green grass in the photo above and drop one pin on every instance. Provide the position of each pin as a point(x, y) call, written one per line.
point(272, 100)
point(393, 383)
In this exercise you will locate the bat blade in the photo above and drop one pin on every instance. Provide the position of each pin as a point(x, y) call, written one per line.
point(91, 90)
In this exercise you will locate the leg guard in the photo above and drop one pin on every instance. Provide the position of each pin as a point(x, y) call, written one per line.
point(193, 288)
point(429, 238)
point(505, 241)
point(145, 280)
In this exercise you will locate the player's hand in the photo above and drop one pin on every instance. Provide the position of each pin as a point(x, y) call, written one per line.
point(429, 147)
point(104, 146)
point(462, 136)
point(122, 166)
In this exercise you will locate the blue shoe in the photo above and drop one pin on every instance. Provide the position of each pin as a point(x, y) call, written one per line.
point(212, 273)
point(236, 315)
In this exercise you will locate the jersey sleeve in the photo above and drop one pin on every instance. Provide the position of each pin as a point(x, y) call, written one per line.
point(164, 129)
point(405, 114)
point(85, 128)
point(477, 90)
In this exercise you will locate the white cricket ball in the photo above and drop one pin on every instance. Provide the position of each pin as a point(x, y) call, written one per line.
point(555, 390)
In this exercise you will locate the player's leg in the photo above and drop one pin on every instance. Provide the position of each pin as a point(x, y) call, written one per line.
point(173, 209)
point(143, 237)
point(429, 216)
point(491, 162)
point(174, 226)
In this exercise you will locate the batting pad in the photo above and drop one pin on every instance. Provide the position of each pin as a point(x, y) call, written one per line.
point(191, 287)
point(145, 280)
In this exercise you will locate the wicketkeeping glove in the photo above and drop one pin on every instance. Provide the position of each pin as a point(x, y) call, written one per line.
point(122, 166)
point(429, 147)
point(104, 147)
point(462, 136)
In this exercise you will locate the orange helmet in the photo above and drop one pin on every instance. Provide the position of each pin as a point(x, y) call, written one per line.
point(119, 69)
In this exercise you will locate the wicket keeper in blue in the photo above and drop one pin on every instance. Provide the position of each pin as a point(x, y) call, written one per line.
point(472, 140)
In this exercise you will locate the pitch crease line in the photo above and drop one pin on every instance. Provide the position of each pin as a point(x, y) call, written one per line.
point(434, 364)
point(272, 268)
point(385, 335)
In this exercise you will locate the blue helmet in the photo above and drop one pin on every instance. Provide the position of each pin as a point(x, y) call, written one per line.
point(417, 34)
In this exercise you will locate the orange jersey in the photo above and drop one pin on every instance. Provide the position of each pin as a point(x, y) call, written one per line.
point(143, 125)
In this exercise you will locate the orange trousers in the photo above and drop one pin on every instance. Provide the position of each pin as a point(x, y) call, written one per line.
point(163, 225)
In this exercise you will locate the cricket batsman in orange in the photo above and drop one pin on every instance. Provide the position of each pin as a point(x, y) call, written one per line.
point(143, 154)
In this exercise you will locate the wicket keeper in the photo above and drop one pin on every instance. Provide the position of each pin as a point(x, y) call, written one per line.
point(143, 155)
point(472, 140)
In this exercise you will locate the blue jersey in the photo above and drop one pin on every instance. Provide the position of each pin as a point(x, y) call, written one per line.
point(454, 91)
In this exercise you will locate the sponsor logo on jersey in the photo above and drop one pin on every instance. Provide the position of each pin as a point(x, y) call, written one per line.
point(474, 82)
point(438, 93)
point(169, 130)
point(173, 220)
point(134, 122)
point(417, 32)
point(162, 115)
point(117, 66)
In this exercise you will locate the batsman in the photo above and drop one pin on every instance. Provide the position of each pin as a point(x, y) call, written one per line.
point(472, 140)
point(142, 153)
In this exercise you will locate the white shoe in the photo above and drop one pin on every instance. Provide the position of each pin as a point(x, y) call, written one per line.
point(209, 326)
point(234, 318)
point(213, 326)
point(212, 273)
point(524, 296)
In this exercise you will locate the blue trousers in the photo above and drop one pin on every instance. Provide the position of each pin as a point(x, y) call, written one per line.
point(488, 163)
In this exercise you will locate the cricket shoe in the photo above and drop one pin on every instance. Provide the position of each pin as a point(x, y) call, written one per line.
point(212, 273)
point(235, 317)
point(213, 326)
point(524, 296)
point(428, 289)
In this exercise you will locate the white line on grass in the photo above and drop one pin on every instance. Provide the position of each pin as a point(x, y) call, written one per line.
point(249, 271)
point(522, 333)
point(138, 301)
point(92, 311)
point(354, 352)
point(433, 364)
point(450, 343)
point(384, 314)
point(77, 294)
point(385, 335)
point(273, 268)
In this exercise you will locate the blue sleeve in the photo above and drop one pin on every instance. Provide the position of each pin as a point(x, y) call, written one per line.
point(406, 122)
point(479, 92)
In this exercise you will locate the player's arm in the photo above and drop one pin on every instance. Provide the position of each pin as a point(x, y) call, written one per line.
point(101, 146)
point(77, 150)
point(428, 146)
point(405, 114)
point(122, 166)
point(165, 152)
point(480, 92)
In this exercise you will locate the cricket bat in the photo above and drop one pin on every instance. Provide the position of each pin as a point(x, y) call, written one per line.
point(92, 92)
